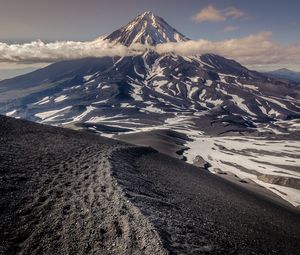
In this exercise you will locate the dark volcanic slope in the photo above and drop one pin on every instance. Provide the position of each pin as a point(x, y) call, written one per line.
point(58, 197)
point(69, 192)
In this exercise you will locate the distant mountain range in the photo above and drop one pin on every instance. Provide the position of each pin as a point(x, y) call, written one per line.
point(285, 74)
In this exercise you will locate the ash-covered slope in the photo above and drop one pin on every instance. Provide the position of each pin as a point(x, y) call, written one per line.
point(64, 191)
point(58, 195)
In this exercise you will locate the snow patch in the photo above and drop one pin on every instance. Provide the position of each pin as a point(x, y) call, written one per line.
point(86, 112)
point(87, 77)
point(43, 101)
point(208, 83)
point(11, 113)
point(45, 115)
point(60, 98)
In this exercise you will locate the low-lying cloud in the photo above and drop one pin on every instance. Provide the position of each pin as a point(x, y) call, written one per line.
point(253, 50)
point(249, 50)
point(38, 51)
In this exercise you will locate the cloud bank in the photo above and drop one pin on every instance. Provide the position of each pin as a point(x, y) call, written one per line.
point(253, 50)
point(38, 51)
point(249, 50)
point(212, 14)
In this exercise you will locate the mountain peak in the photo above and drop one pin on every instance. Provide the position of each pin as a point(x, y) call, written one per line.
point(147, 13)
point(146, 28)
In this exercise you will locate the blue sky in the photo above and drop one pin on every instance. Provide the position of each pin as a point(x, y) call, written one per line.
point(269, 28)
point(83, 20)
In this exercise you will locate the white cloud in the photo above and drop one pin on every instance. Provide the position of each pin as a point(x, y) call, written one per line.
point(230, 28)
point(249, 50)
point(233, 12)
point(257, 50)
point(212, 14)
point(38, 51)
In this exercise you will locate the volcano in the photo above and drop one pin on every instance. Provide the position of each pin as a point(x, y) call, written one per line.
point(149, 87)
point(146, 28)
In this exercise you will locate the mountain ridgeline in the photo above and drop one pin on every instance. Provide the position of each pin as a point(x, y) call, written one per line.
point(115, 94)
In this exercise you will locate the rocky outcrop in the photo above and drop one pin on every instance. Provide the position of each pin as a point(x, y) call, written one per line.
point(280, 180)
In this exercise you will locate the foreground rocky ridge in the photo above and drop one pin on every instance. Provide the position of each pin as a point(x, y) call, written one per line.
point(64, 191)
point(58, 196)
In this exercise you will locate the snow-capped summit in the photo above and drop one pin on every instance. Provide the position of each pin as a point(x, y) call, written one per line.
point(147, 28)
point(151, 88)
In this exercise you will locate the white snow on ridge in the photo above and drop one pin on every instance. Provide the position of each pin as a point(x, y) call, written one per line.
point(293, 125)
point(158, 86)
point(263, 110)
point(208, 83)
point(46, 115)
point(227, 75)
point(178, 121)
point(136, 94)
point(203, 92)
point(60, 98)
point(188, 59)
point(275, 102)
point(90, 81)
point(192, 91)
point(86, 112)
point(215, 102)
point(204, 63)
point(42, 101)
point(139, 74)
point(126, 105)
point(152, 108)
point(194, 79)
point(88, 77)
point(100, 119)
point(105, 87)
point(252, 87)
point(160, 83)
point(240, 103)
point(11, 113)
point(73, 87)
point(222, 78)
point(272, 112)
point(101, 101)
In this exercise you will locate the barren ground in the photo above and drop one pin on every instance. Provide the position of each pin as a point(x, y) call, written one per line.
point(68, 192)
